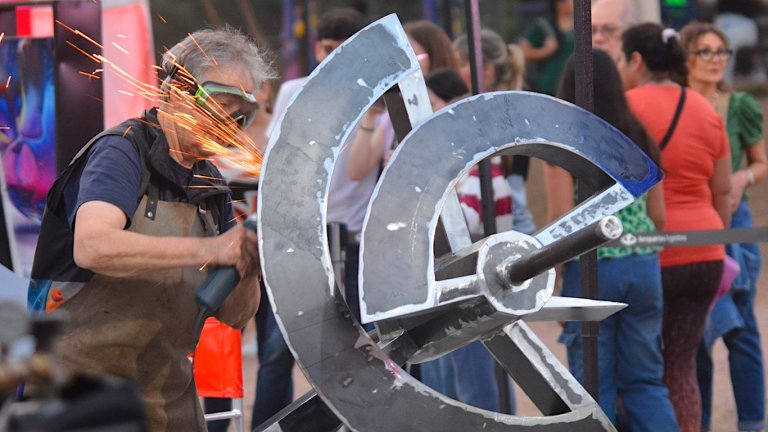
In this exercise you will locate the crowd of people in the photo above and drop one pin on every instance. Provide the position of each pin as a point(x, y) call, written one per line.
point(112, 235)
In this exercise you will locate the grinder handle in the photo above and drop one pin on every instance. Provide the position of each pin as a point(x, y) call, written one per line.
point(222, 281)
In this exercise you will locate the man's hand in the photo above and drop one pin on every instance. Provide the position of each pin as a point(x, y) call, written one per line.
point(242, 304)
point(237, 247)
point(225, 249)
point(249, 264)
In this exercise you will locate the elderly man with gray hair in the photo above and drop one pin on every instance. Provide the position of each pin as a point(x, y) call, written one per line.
point(140, 213)
point(609, 20)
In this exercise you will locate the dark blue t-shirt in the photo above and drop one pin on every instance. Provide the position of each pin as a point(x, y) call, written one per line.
point(112, 173)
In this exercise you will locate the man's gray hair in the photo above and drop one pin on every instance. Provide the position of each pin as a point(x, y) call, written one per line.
point(629, 14)
point(227, 46)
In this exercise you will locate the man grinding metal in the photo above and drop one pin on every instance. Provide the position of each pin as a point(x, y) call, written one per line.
point(135, 220)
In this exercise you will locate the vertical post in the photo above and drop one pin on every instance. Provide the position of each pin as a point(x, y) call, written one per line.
point(5, 241)
point(72, 90)
point(475, 49)
point(311, 17)
point(474, 46)
point(587, 262)
point(447, 18)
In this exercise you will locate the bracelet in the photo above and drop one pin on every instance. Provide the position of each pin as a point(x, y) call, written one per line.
point(366, 129)
point(750, 177)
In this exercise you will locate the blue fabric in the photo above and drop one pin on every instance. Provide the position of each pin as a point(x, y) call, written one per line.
point(440, 375)
point(112, 173)
point(274, 382)
point(475, 378)
point(467, 375)
point(733, 319)
point(631, 366)
point(522, 219)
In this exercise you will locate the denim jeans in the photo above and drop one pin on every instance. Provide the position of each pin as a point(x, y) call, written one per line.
point(467, 375)
point(733, 318)
point(631, 366)
point(522, 220)
point(274, 382)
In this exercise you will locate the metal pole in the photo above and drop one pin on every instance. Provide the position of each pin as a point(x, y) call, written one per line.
point(474, 45)
point(540, 260)
point(478, 86)
point(447, 17)
point(587, 262)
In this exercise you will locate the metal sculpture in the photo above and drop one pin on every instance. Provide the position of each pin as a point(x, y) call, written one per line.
point(424, 284)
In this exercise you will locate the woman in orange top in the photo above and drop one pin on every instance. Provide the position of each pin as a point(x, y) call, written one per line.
point(696, 163)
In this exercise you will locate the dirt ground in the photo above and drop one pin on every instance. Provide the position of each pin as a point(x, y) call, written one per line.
point(724, 415)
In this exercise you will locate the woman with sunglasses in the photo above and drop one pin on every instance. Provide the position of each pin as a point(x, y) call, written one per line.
point(733, 316)
point(697, 169)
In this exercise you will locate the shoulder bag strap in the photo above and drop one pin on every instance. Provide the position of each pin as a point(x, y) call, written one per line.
point(673, 126)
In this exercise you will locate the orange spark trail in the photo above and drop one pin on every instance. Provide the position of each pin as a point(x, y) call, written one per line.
point(125, 93)
point(126, 131)
point(206, 177)
point(162, 19)
point(201, 48)
point(79, 33)
point(89, 75)
point(2, 34)
point(82, 52)
point(120, 48)
point(8, 82)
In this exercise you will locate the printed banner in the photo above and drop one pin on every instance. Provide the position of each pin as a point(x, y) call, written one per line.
point(27, 141)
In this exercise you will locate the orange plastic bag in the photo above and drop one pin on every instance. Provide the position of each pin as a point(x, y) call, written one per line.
point(218, 361)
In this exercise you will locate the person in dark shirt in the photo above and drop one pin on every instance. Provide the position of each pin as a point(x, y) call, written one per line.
point(138, 216)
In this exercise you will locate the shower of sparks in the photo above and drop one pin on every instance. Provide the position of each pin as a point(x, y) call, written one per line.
point(220, 139)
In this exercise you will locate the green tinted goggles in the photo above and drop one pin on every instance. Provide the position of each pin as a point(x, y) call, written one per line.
point(227, 104)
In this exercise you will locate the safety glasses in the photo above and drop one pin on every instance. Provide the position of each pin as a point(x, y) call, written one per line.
point(227, 104)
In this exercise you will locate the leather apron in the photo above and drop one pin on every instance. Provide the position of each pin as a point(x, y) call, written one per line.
point(142, 327)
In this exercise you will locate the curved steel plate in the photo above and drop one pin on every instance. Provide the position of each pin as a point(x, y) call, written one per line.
point(455, 139)
point(351, 373)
